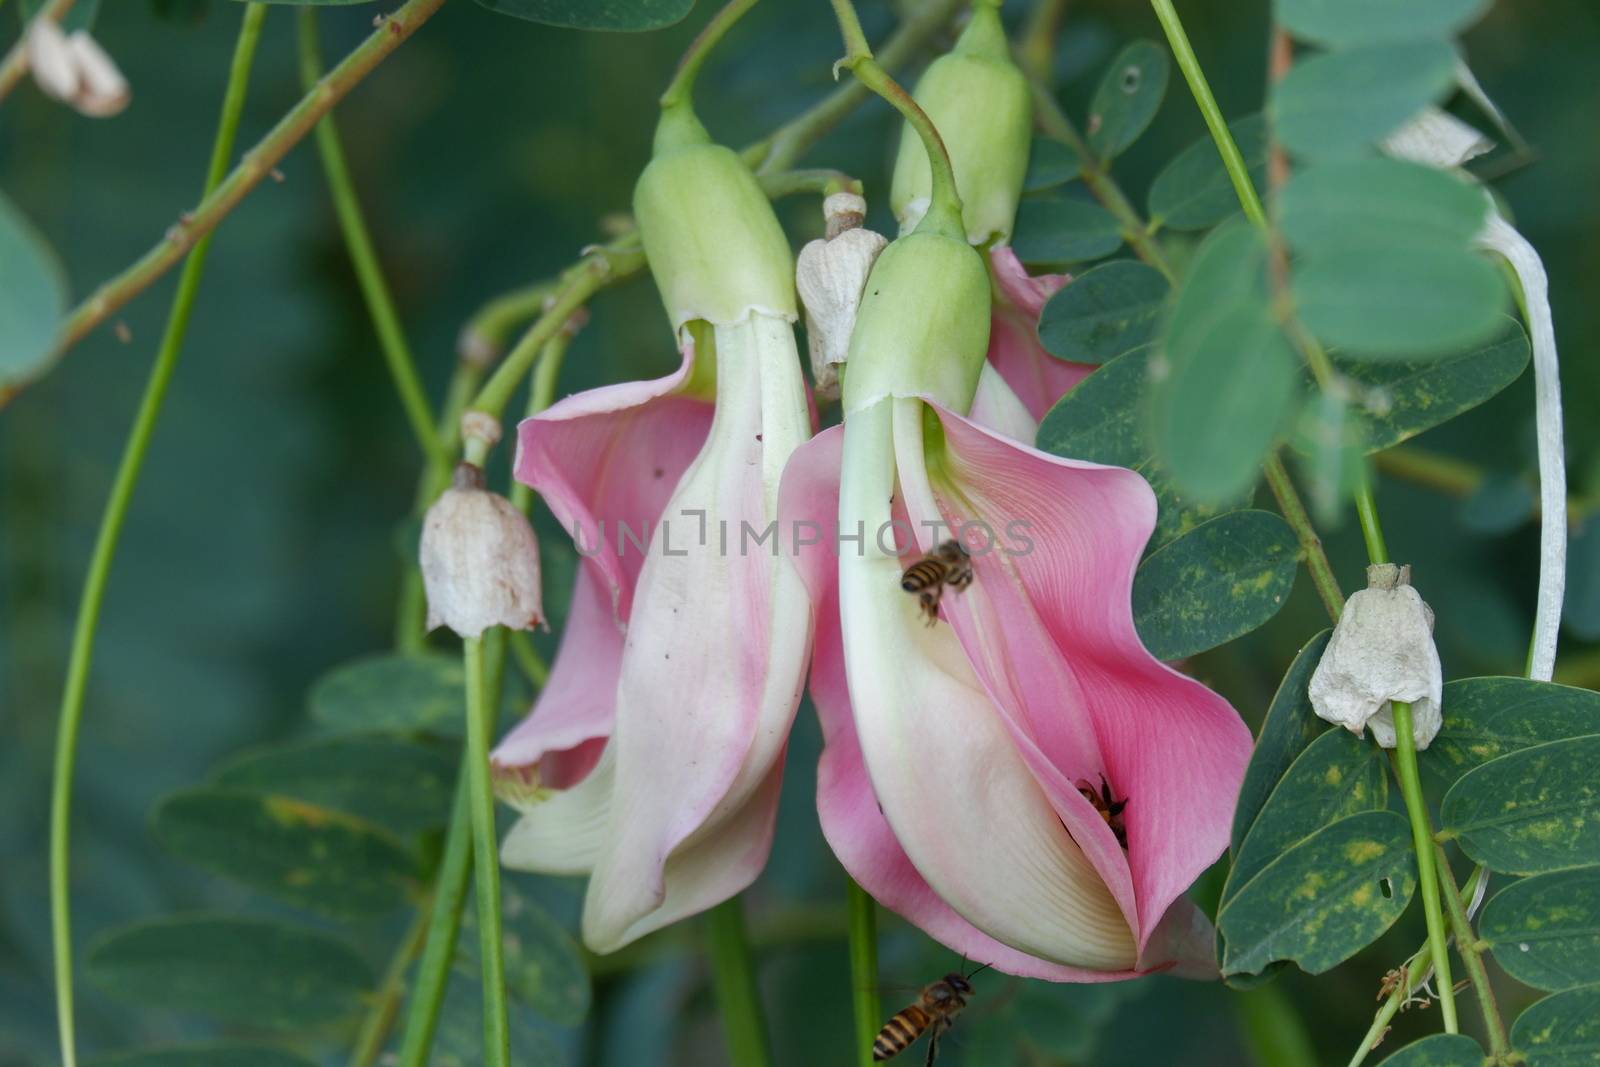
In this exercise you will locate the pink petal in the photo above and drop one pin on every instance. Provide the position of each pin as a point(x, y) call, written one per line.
point(607, 460)
point(1038, 378)
point(1172, 747)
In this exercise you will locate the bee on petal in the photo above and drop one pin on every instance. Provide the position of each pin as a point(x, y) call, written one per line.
point(947, 566)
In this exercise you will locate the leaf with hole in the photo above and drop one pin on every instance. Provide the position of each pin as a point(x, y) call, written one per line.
point(33, 297)
point(401, 786)
point(1290, 725)
point(269, 975)
point(630, 16)
point(391, 692)
point(1533, 810)
point(1051, 163)
point(1337, 775)
point(208, 1055)
point(1323, 900)
point(1393, 400)
point(1562, 1030)
point(1545, 930)
point(1217, 582)
point(1343, 23)
point(1438, 1050)
point(1485, 718)
point(1194, 191)
point(1108, 310)
point(1127, 99)
point(304, 855)
point(1057, 229)
point(1341, 103)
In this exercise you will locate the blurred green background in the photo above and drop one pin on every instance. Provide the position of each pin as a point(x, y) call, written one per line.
point(265, 540)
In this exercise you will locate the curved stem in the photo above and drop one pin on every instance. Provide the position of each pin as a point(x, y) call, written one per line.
point(380, 1018)
point(486, 857)
point(1405, 762)
point(369, 274)
point(733, 978)
point(864, 970)
point(105, 546)
point(255, 165)
point(681, 88)
point(444, 924)
point(15, 65)
point(484, 335)
point(1232, 159)
point(1294, 511)
point(944, 207)
point(1472, 952)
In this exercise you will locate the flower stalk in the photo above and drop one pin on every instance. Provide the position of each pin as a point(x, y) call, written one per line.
point(486, 858)
point(734, 981)
point(864, 995)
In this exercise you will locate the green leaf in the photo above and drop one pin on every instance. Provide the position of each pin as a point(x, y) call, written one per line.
point(544, 968)
point(1341, 103)
point(1104, 420)
point(1342, 23)
point(401, 786)
point(1545, 930)
point(1108, 310)
point(1534, 810)
point(1562, 1030)
point(1050, 164)
point(618, 15)
point(1486, 718)
point(1127, 99)
point(1501, 503)
point(1215, 583)
point(218, 1055)
point(1378, 203)
point(1290, 725)
point(1323, 900)
point(1395, 401)
point(1413, 301)
point(391, 692)
point(301, 854)
point(270, 975)
point(33, 297)
point(1438, 1050)
point(1194, 192)
point(1053, 230)
point(1337, 775)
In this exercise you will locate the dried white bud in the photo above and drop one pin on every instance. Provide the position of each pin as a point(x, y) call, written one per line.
point(75, 70)
point(830, 275)
point(1382, 649)
point(481, 426)
point(480, 560)
point(1436, 138)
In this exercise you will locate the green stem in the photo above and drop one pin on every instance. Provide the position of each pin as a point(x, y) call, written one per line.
point(1036, 47)
point(380, 1018)
point(254, 166)
point(444, 924)
point(1295, 514)
point(1472, 952)
point(681, 87)
point(15, 65)
point(1232, 159)
point(733, 978)
point(105, 546)
point(484, 336)
point(486, 857)
point(820, 181)
point(1371, 528)
point(944, 207)
point(1405, 762)
point(532, 665)
point(1272, 1029)
point(864, 970)
point(364, 258)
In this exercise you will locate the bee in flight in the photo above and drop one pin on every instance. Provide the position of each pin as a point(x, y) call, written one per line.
point(934, 1012)
point(1107, 805)
point(948, 565)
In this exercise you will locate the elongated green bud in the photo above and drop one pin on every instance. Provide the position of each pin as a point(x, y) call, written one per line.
point(923, 325)
point(980, 103)
point(713, 242)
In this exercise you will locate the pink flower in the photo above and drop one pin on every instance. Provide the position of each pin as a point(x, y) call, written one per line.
point(949, 785)
point(653, 757)
point(1036, 377)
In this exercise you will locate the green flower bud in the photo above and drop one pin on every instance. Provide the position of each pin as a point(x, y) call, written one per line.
point(981, 105)
point(713, 242)
point(923, 325)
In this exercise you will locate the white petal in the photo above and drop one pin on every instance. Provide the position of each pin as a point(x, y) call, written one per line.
point(51, 59)
point(1436, 138)
point(102, 90)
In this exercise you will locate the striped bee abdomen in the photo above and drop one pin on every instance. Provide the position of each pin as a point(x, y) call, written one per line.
point(923, 574)
point(900, 1031)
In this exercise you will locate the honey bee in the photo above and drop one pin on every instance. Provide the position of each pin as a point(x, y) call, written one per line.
point(948, 565)
point(934, 1012)
point(1107, 805)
